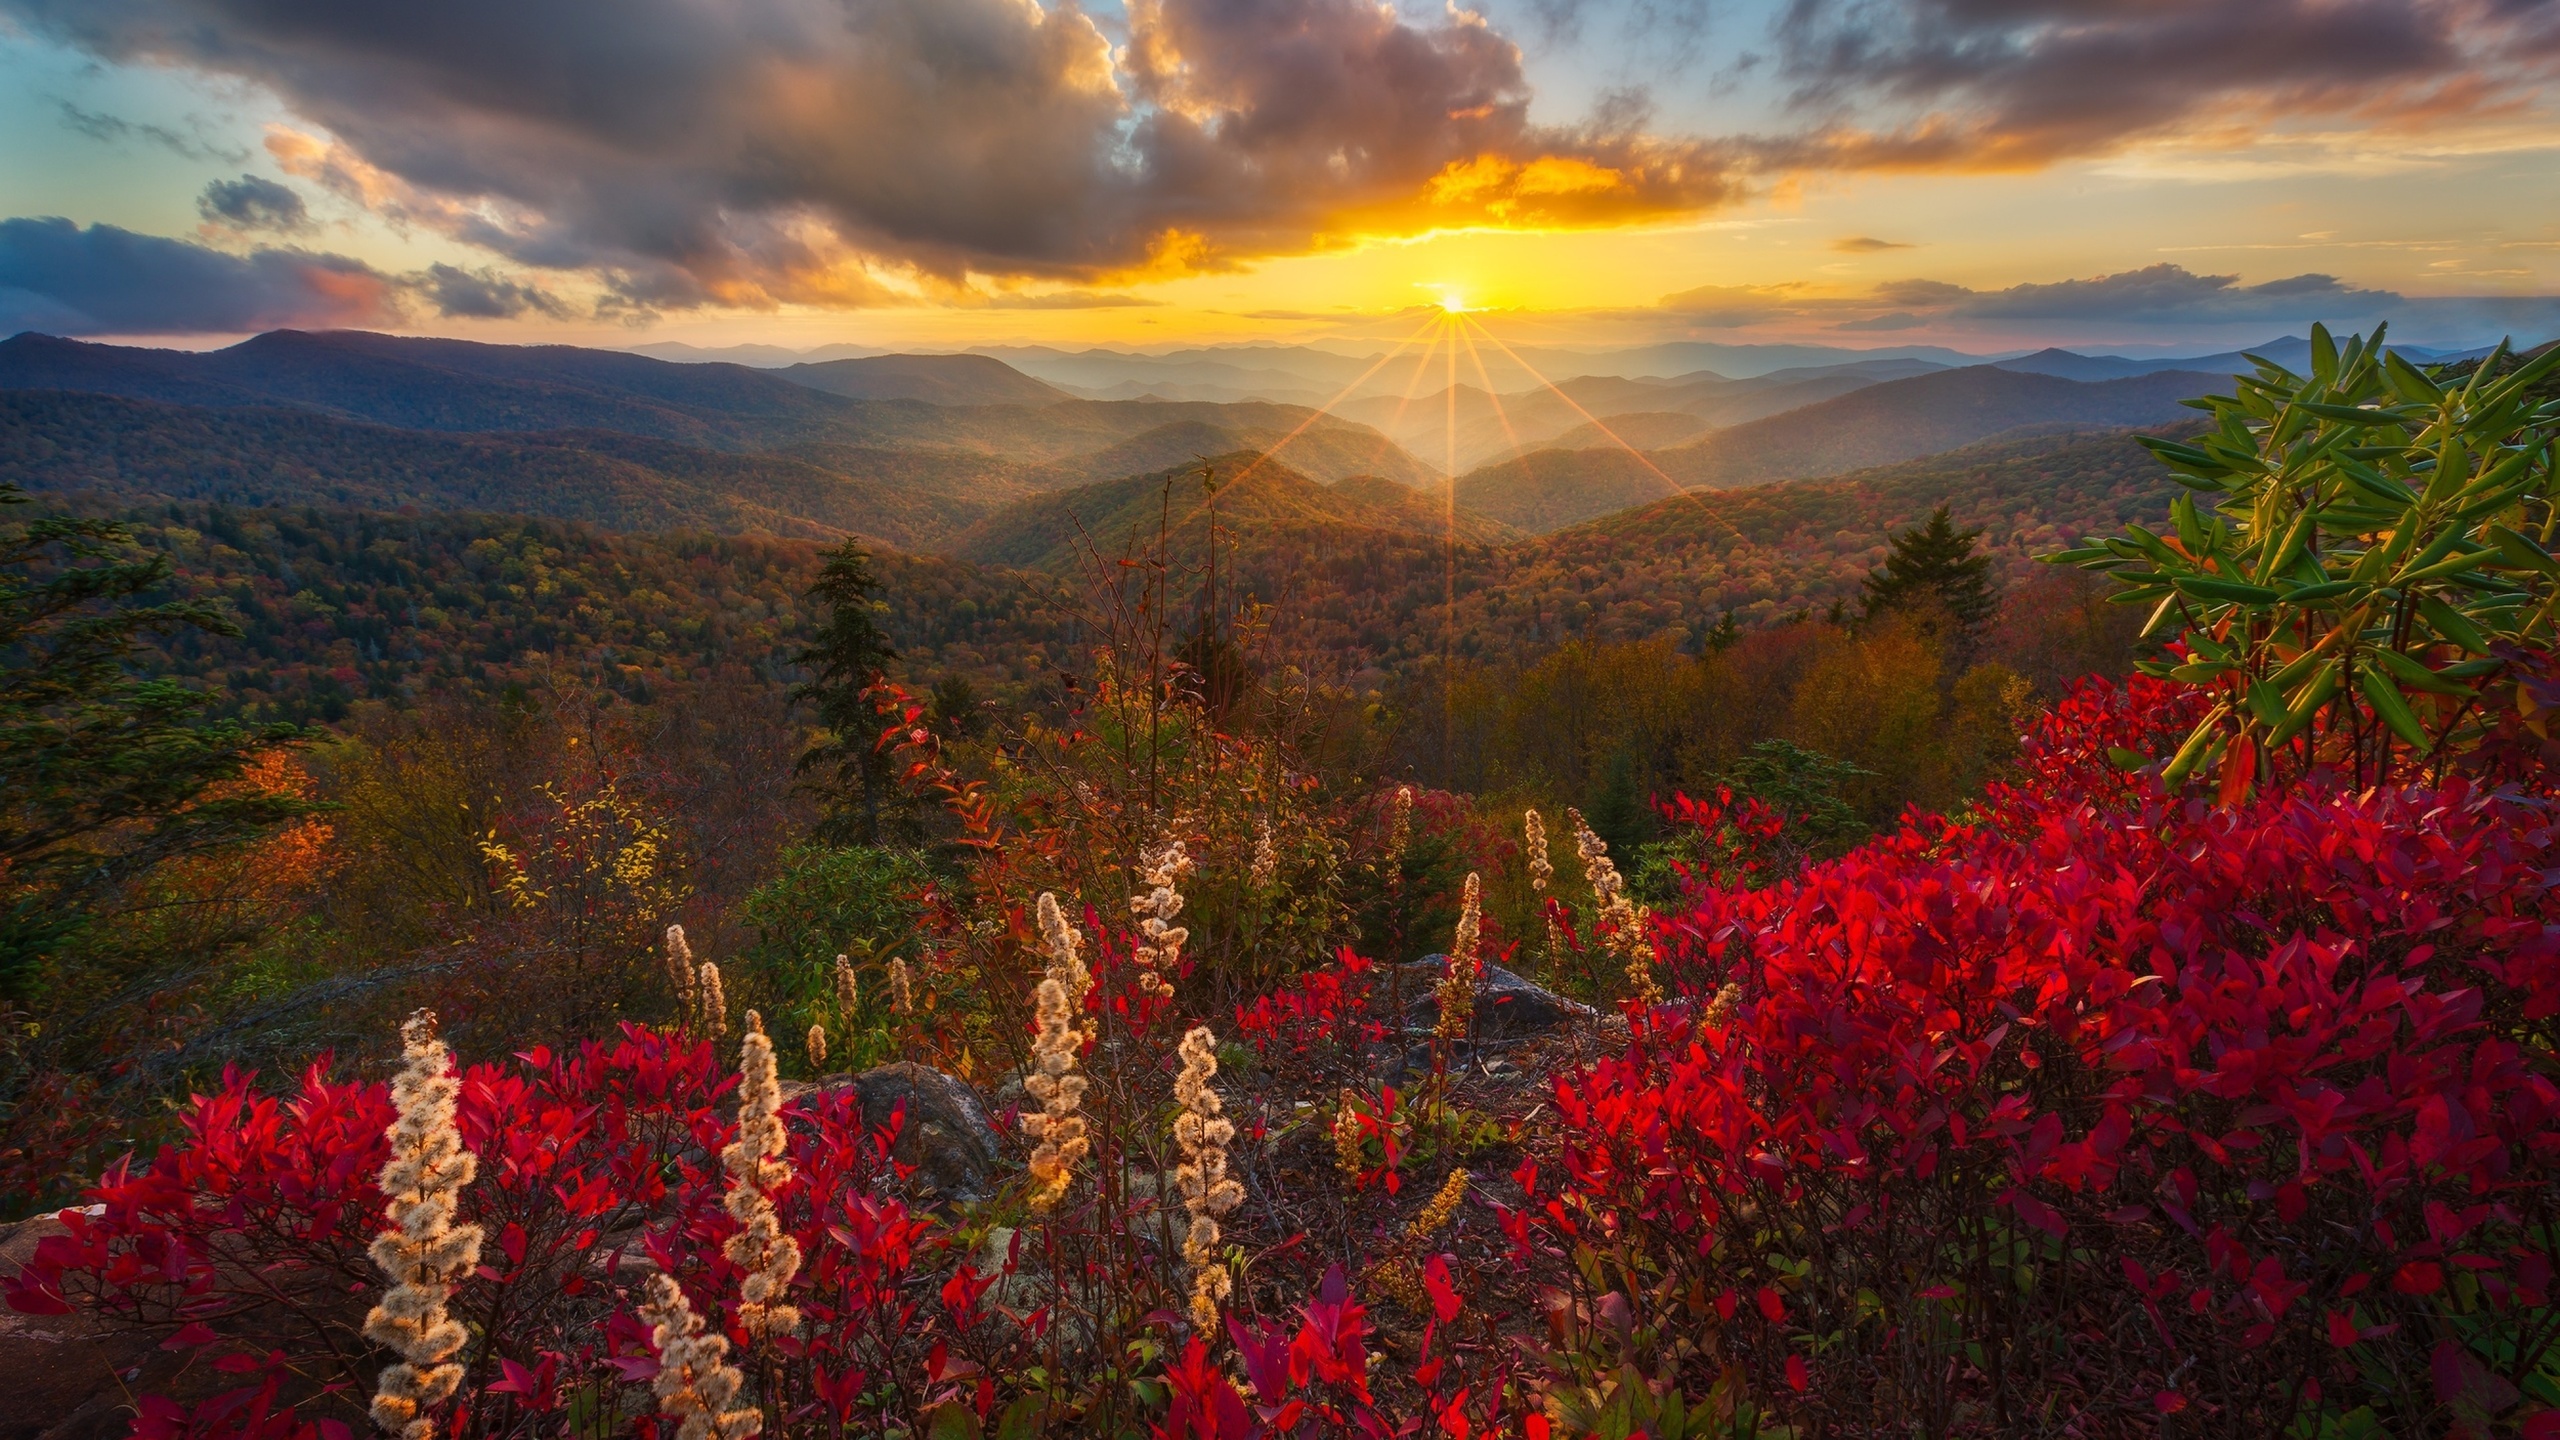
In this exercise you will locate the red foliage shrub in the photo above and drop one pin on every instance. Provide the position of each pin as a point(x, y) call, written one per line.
point(2105, 1105)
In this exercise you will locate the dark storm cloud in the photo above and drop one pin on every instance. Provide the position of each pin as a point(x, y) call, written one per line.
point(253, 202)
point(763, 151)
point(1984, 83)
point(102, 280)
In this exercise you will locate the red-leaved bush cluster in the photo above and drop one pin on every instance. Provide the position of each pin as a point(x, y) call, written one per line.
point(2103, 1111)
point(246, 1241)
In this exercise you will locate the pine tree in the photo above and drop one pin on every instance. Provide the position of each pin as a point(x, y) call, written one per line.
point(850, 656)
point(1721, 638)
point(108, 772)
point(1935, 564)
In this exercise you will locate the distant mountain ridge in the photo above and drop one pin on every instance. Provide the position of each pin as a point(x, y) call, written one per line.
point(1881, 424)
point(1262, 505)
point(939, 379)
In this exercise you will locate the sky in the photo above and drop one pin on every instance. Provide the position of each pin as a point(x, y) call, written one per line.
point(933, 174)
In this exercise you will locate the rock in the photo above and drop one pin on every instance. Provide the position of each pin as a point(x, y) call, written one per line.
point(946, 1135)
point(1508, 1007)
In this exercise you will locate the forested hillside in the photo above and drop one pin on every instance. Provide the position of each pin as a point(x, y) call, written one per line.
point(340, 606)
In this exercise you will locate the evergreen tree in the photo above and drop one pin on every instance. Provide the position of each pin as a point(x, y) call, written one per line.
point(1935, 564)
point(106, 771)
point(851, 655)
point(1721, 638)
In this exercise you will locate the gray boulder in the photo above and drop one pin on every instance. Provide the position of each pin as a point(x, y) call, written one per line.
point(1508, 1006)
point(945, 1135)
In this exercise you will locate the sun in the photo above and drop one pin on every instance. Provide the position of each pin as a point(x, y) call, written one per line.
point(1452, 302)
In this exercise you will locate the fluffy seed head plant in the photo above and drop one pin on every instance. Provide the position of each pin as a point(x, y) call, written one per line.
point(1266, 855)
point(423, 1252)
point(1435, 1217)
point(1346, 1139)
point(1159, 953)
point(848, 990)
point(1466, 964)
point(756, 1169)
point(1053, 1080)
point(1621, 917)
point(1399, 833)
point(714, 1001)
point(817, 1047)
point(680, 975)
point(902, 988)
point(1542, 871)
point(1203, 1132)
point(696, 1383)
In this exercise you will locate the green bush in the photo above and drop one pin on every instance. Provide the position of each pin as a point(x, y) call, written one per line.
point(859, 901)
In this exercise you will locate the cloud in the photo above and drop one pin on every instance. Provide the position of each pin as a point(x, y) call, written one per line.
point(2172, 293)
point(1069, 300)
point(1891, 320)
point(103, 280)
point(757, 153)
point(253, 203)
point(2022, 83)
point(114, 129)
point(1867, 245)
point(2163, 299)
point(463, 294)
point(845, 152)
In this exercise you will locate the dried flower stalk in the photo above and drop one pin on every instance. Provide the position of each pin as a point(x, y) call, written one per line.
point(1621, 917)
point(1266, 855)
point(756, 1169)
point(1203, 1131)
point(1159, 953)
point(1053, 1081)
point(1466, 965)
point(1719, 1011)
point(1346, 1139)
point(902, 988)
point(1542, 870)
point(1399, 834)
point(695, 1380)
point(423, 1252)
point(1436, 1216)
point(848, 990)
point(714, 1001)
point(817, 1047)
point(681, 976)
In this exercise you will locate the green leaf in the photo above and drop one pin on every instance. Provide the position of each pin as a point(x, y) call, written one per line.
point(2325, 590)
point(2267, 703)
point(2387, 703)
point(2418, 676)
point(2521, 553)
point(2453, 625)
point(2192, 753)
point(1022, 1419)
point(952, 1420)
point(2450, 565)
point(2378, 485)
point(2348, 414)
point(2306, 705)
point(2408, 383)
point(2215, 588)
